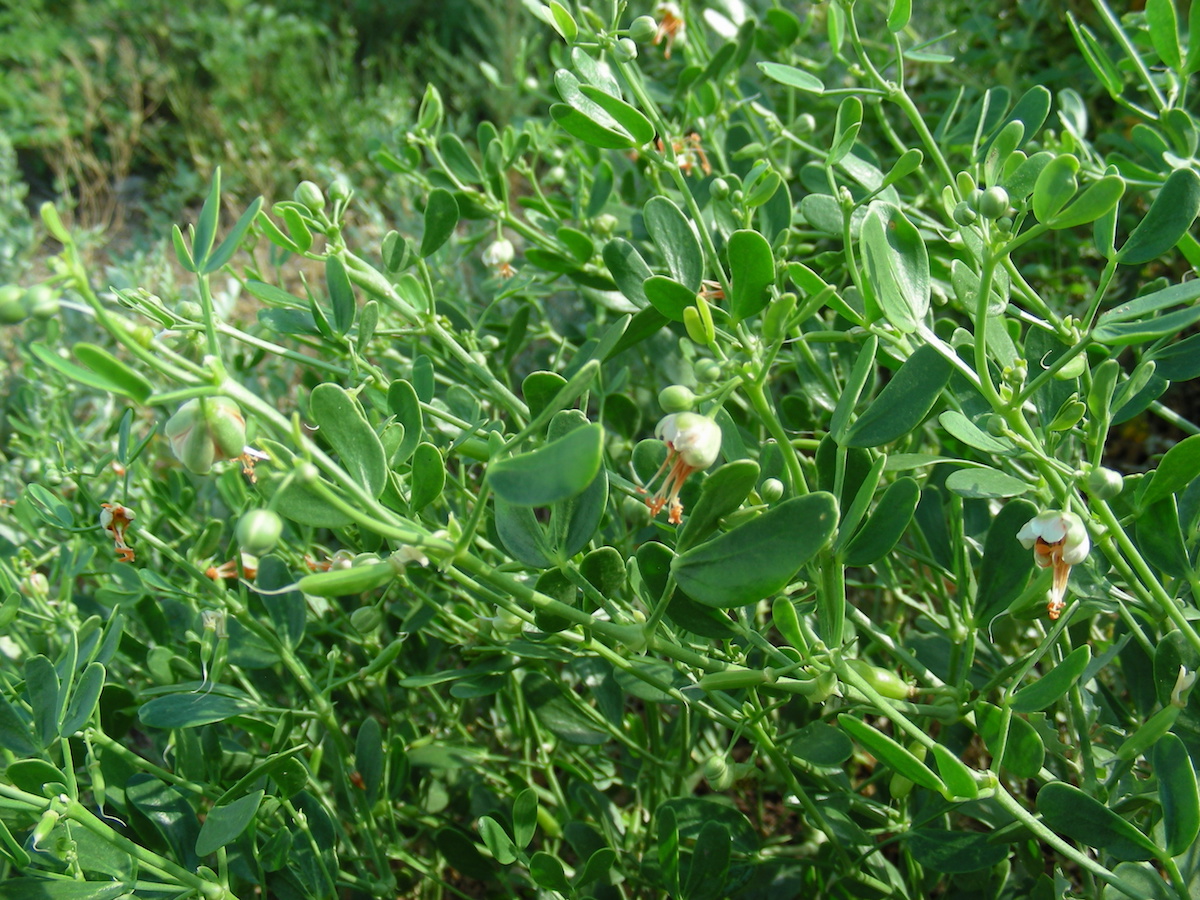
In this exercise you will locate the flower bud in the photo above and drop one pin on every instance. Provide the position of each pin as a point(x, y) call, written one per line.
point(309, 195)
point(771, 490)
point(12, 310)
point(1103, 483)
point(676, 398)
point(204, 430)
point(258, 531)
point(718, 773)
point(642, 29)
point(625, 50)
point(707, 370)
point(993, 203)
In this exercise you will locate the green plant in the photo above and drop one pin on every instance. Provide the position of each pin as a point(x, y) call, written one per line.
point(477, 659)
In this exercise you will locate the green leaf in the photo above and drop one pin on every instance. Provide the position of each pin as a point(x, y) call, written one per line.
point(1163, 23)
point(626, 116)
point(752, 272)
point(1054, 187)
point(887, 524)
point(224, 824)
point(654, 565)
point(31, 775)
point(792, 77)
point(564, 22)
point(294, 499)
point(589, 130)
point(960, 781)
point(864, 366)
point(45, 889)
point(557, 471)
point(1006, 564)
point(692, 814)
point(1160, 537)
point(676, 240)
point(525, 808)
point(722, 493)
point(233, 240)
point(1177, 793)
point(822, 745)
point(127, 382)
point(1192, 63)
point(170, 814)
point(845, 130)
point(628, 270)
point(45, 696)
point(899, 12)
point(190, 710)
point(522, 534)
point(1168, 219)
point(904, 402)
point(368, 756)
point(49, 507)
point(428, 476)
point(497, 841)
point(710, 863)
point(341, 295)
point(1097, 200)
point(1056, 682)
point(668, 296)
point(84, 376)
point(574, 521)
point(560, 712)
point(15, 734)
point(548, 872)
point(84, 699)
point(890, 753)
point(985, 482)
point(404, 405)
point(1176, 470)
point(1141, 319)
point(598, 864)
point(1023, 751)
point(341, 423)
point(896, 264)
point(206, 225)
point(441, 217)
point(1079, 816)
point(667, 832)
point(758, 558)
point(954, 852)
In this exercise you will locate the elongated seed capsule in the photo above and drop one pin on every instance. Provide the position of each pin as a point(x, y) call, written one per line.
point(732, 679)
point(355, 580)
point(887, 682)
point(385, 658)
point(44, 826)
point(787, 623)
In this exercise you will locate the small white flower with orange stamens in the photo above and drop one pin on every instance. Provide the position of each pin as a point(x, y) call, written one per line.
point(671, 26)
point(499, 256)
point(1058, 539)
point(115, 519)
point(693, 443)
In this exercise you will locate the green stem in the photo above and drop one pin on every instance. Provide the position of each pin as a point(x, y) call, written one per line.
point(758, 399)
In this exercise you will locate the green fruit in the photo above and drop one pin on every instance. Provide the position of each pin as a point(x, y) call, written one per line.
point(676, 398)
point(258, 531)
point(41, 301)
point(885, 681)
point(366, 619)
point(643, 29)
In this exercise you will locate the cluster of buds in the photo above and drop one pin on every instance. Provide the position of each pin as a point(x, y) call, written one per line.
point(688, 153)
point(1059, 540)
point(115, 520)
point(499, 256)
point(693, 443)
point(205, 430)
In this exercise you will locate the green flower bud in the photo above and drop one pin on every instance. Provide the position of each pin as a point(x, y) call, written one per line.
point(12, 310)
point(625, 50)
point(258, 531)
point(643, 29)
point(707, 370)
point(1104, 484)
point(771, 490)
point(366, 619)
point(993, 203)
point(719, 189)
point(309, 195)
point(605, 224)
point(41, 301)
point(718, 773)
point(340, 190)
point(806, 123)
point(676, 398)
point(963, 214)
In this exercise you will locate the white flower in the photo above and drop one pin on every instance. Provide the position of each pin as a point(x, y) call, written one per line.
point(1057, 539)
point(693, 444)
point(499, 256)
point(671, 26)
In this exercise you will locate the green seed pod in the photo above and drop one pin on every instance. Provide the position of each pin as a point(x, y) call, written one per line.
point(694, 323)
point(900, 786)
point(190, 441)
point(44, 826)
point(309, 196)
point(643, 29)
point(706, 370)
point(771, 490)
point(258, 531)
point(1104, 484)
point(354, 580)
point(226, 425)
point(733, 679)
point(993, 203)
point(885, 681)
point(676, 398)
